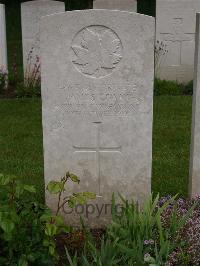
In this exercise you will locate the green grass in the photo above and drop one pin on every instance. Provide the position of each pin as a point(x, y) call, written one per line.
point(21, 142)
point(171, 144)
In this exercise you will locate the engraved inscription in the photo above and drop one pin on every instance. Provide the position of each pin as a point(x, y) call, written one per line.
point(98, 149)
point(96, 51)
point(101, 100)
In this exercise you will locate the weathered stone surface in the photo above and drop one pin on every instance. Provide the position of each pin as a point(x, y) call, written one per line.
point(31, 13)
point(175, 24)
point(129, 5)
point(3, 44)
point(97, 94)
point(195, 143)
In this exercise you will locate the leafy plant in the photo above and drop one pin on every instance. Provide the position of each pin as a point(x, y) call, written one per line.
point(151, 235)
point(21, 232)
point(54, 224)
point(28, 228)
point(165, 87)
point(105, 255)
point(140, 233)
point(58, 187)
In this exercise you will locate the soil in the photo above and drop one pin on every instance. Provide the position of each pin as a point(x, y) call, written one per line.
point(74, 242)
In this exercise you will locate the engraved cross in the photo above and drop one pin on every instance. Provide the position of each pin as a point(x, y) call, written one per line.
point(98, 149)
point(178, 35)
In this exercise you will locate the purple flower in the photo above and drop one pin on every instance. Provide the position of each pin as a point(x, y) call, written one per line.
point(148, 242)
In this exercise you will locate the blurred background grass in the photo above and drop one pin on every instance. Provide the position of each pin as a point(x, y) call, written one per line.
point(13, 23)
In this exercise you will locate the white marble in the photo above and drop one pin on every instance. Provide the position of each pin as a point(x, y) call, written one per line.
point(175, 26)
point(97, 97)
point(128, 5)
point(3, 43)
point(195, 143)
point(31, 13)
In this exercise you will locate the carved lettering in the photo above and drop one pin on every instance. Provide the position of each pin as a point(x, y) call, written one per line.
point(104, 100)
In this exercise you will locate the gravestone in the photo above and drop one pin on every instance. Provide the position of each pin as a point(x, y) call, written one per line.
point(129, 5)
point(195, 143)
point(97, 94)
point(175, 26)
point(31, 13)
point(3, 44)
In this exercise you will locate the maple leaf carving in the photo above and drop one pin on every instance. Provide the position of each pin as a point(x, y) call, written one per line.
point(97, 52)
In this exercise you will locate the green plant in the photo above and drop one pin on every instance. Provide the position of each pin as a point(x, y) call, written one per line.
point(54, 224)
point(21, 232)
point(28, 90)
point(31, 85)
point(139, 233)
point(105, 255)
point(170, 87)
point(27, 228)
point(188, 88)
point(166, 87)
point(138, 236)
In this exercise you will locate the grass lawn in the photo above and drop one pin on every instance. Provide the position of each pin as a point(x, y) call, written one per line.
point(171, 144)
point(21, 142)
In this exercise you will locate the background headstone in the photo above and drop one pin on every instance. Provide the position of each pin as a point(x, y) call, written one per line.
point(129, 5)
point(31, 13)
point(175, 26)
point(3, 44)
point(195, 143)
point(97, 95)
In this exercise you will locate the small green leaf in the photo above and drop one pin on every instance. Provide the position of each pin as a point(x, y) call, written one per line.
point(80, 198)
point(65, 229)
point(51, 250)
point(7, 225)
point(22, 262)
point(71, 202)
point(31, 257)
point(74, 178)
point(150, 260)
point(5, 179)
point(55, 187)
point(46, 243)
point(29, 188)
point(89, 195)
point(51, 229)
point(45, 217)
point(58, 220)
point(19, 190)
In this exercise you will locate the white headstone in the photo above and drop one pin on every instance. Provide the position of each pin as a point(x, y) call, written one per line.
point(31, 13)
point(97, 95)
point(129, 5)
point(3, 44)
point(195, 143)
point(175, 26)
